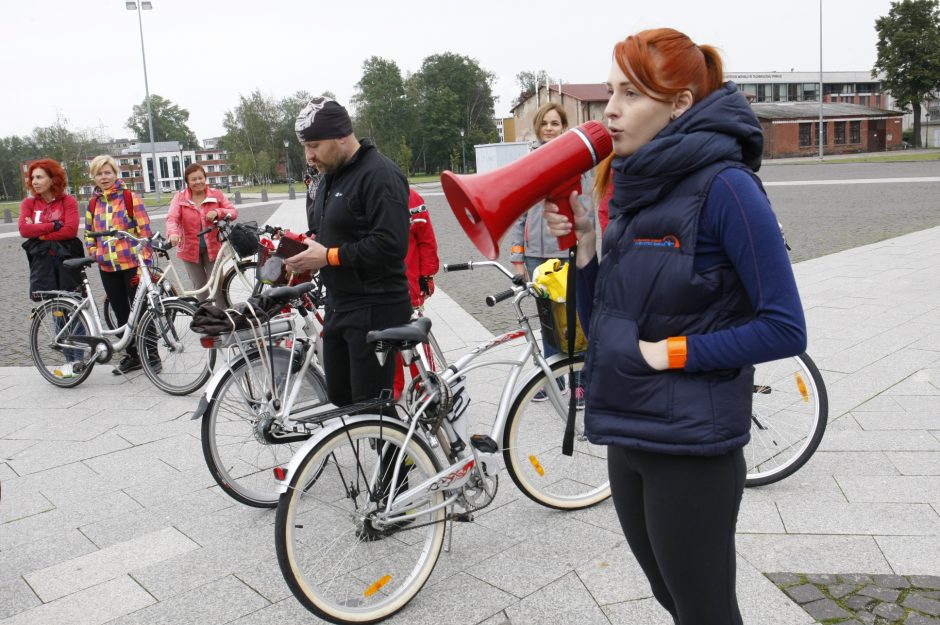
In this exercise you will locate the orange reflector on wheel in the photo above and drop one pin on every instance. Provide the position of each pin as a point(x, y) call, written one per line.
point(377, 586)
point(538, 467)
point(280, 474)
point(58, 313)
point(801, 385)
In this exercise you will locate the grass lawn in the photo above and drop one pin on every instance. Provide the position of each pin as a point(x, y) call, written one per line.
point(893, 157)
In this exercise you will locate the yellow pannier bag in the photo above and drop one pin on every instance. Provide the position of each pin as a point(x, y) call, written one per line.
point(551, 278)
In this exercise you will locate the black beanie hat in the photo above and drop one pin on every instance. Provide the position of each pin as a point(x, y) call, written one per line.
point(321, 119)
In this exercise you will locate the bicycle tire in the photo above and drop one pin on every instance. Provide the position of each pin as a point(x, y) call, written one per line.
point(238, 457)
point(233, 290)
point(47, 354)
point(175, 371)
point(532, 443)
point(789, 416)
point(335, 560)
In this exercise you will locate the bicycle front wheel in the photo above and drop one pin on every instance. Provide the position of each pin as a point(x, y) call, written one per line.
point(171, 354)
point(61, 362)
point(532, 448)
point(240, 282)
point(339, 556)
point(788, 418)
point(241, 440)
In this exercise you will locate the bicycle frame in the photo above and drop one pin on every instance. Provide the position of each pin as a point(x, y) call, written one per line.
point(226, 254)
point(453, 477)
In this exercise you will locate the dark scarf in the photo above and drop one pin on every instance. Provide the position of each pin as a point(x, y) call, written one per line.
point(722, 126)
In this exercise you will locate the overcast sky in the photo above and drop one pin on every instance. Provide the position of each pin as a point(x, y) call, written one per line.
point(80, 59)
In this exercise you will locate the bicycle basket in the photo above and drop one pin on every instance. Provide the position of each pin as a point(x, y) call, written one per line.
point(271, 268)
point(244, 239)
point(554, 320)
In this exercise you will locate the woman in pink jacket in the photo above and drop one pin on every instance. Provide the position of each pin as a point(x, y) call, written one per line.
point(192, 210)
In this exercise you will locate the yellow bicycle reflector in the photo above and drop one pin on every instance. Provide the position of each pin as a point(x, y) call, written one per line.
point(538, 467)
point(377, 586)
point(58, 313)
point(801, 385)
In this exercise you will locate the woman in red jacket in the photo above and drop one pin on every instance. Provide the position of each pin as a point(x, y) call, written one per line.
point(192, 210)
point(47, 216)
point(49, 222)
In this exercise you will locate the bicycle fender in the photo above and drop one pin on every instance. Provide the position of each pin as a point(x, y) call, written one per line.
point(535, 371)
point(325, 431)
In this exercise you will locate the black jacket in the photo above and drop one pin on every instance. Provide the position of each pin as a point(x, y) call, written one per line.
point(363, 210)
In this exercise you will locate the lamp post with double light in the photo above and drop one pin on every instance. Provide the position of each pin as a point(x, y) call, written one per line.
point(290, 181)
point(145, 5)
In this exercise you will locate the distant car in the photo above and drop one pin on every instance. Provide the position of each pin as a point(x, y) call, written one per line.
point(905, 145)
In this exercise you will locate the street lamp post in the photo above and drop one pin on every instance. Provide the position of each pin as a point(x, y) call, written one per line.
point(132, 5)
point(463, 152)
point(927, 130)
point(290, 182)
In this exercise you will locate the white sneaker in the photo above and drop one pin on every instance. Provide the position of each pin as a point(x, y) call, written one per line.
point(65, 371)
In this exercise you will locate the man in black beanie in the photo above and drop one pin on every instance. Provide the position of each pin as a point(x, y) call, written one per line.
point(359, 239)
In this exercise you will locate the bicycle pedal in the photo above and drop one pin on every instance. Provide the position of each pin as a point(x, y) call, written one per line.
point(482, 442)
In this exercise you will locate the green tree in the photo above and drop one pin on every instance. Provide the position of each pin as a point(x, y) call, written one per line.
point(252, 136)
point(383, 113)
point(169, 122)
point(13, 151)
point(71, 149)
point(909, 54)
point(453, 93)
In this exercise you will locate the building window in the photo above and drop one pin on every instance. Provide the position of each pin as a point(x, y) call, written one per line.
point(806, 135)
point(125, 174)
point(839, 133)
point(211, 168)
point(855, 132)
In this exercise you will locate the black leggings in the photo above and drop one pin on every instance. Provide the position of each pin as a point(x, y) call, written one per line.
point(120, 291)
point(679, 515)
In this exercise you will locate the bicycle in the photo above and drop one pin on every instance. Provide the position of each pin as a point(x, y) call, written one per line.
point(360, 521)
point(66, 325)
point(374, 491)
point(236, 273)
point(250, 403)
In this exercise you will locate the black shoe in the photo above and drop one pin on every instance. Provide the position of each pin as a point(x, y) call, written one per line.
point(128, 363)
point(156, 366)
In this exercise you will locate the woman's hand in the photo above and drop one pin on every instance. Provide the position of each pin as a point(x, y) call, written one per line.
point(559, 226)
point(174, 240)
point(655, 354)
point(211, 215)
point(519, 269)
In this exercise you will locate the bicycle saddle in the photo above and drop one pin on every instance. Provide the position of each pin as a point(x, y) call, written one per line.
point(414, 332)
point(78, 263)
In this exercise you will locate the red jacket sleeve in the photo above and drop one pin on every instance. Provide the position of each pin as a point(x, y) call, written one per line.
point(69, 229)
point(31, 231)
point(426, 244)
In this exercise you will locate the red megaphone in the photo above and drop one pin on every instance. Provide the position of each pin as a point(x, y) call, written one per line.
point(486, 205)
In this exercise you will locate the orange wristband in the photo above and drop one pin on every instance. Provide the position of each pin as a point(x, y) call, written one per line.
point(332, 256)
point(676, 346)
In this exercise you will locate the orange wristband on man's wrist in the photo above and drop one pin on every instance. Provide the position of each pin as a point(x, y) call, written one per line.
point(676, 347)
point(332, 256)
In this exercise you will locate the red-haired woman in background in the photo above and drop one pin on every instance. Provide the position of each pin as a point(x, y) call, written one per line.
point(48, 216)
point(191, 211)
point(693, 289)
point(49, 222)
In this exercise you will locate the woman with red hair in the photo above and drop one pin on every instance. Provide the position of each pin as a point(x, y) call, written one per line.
point(49, 223)
point(693, 289)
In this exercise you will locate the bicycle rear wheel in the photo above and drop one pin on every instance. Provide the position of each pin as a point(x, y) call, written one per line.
point(337, 557)
point(241, 442)
point(61, 362)
point(235, 289)
point(170, 353)
point(788, 419)
point(532, 449)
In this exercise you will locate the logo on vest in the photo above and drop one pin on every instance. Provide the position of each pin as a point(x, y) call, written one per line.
point(669, 240)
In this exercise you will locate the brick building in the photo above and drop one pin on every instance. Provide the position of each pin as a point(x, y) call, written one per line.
point(792, 128)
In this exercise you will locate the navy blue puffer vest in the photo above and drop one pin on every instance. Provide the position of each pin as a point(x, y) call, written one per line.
point(648, 289)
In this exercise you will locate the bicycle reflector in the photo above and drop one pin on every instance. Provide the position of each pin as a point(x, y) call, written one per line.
point(210, 342)
point(280, 474)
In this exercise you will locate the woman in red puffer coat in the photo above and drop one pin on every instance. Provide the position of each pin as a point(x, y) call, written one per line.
point(192, 210)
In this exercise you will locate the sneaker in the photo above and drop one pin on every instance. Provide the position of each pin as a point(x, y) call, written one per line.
point(579, 397)
point(128, 363)
point(541, 395)
point(65, 371)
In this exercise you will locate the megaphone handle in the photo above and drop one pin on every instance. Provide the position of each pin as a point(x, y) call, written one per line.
point(564, 207)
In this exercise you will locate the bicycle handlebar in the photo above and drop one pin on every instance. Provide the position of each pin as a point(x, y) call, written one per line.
point(492, 300)
point(456, 267)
